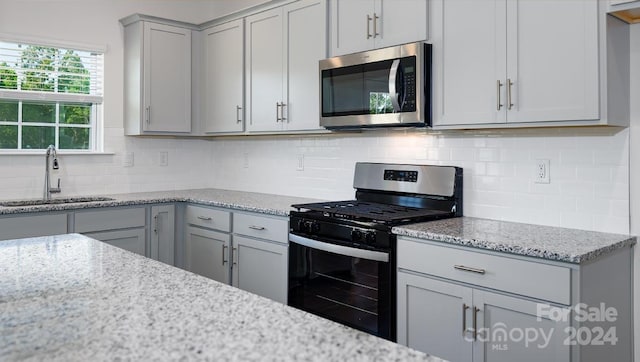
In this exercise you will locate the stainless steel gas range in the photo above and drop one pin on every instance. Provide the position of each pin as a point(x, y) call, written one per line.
point(342, 255)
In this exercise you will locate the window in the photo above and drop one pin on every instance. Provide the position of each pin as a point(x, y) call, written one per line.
point(49, 96)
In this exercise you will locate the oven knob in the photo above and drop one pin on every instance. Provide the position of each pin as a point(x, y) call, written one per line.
point(370, 238)
point(314, 227)
point(356, 235)
point(300, 226)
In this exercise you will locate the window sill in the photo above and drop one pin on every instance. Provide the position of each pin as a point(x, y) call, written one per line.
point(60, 153)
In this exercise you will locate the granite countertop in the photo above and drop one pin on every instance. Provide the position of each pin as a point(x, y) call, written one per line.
point(239, 200)
point(69, 297)
point(547, 242)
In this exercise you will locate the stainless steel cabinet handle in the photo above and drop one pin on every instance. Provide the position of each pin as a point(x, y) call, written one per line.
point(224, 248)
point(277, 112)
point(509, 99)
point(499, 94)
point(155, 224)
point(368, 22)
point(238, 118)
point(205, 218)
point(257, 227)
point(464, 318)
point(235, 256)
point(282, 117)
point(375, 25)
point(469, 269)
point(147, 112)
point(475, 323)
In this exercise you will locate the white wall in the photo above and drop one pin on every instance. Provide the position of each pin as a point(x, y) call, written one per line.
point(635, 170)
point(589, 170)
point(96, 22)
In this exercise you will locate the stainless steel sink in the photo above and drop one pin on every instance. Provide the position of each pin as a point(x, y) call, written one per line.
point(67, 200)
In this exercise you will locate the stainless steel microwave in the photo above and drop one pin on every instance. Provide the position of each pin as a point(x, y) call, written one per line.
point(387, 87)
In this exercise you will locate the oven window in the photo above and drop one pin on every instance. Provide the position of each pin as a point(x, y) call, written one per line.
point(349, 290)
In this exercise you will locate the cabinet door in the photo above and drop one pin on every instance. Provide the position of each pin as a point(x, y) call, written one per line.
point(207, 253)
point(401, 21)
point(554, 68)
point(224, 77)
point(260, 267)
point(504, 320)
point(469, 60)
point(163, 233)
point(133, 240)
point(351, 26)
point(433, 316)
point(31, 225)
point(264, 70)
point(167, 78)
point(306, 35)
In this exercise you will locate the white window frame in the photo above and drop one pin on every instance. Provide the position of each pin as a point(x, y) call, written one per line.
point(96, 126)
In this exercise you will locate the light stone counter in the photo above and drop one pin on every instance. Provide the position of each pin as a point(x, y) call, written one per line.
point(551, 243)
point(247, 201)
point(72, 298)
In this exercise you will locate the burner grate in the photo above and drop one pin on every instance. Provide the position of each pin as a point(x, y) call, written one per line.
point(370, 211)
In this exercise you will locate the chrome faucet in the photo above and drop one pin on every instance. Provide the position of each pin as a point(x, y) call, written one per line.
point(48, 190)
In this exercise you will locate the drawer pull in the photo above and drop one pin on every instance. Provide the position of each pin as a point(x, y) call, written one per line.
point(469, 269)
point(257, 227)
point(205, 218)
point(464, 318)
point(475, 323)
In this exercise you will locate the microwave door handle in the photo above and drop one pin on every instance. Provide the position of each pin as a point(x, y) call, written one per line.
point(393, 92)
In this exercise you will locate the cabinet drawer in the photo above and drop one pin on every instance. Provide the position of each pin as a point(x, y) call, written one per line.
point(89, 221)
point(536, 280)
point(271, 228)
point(208, 218)
point(32, 225)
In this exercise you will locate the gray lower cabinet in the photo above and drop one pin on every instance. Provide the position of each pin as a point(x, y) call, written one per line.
point(32, 225)
point(163, 231)
point(260, 267)
point(133, 240)
point(121, 227)
point(207, 253)
point(244, 249)
point(463, 304)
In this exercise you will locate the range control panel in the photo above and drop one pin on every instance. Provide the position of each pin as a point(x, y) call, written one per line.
point(401, 176)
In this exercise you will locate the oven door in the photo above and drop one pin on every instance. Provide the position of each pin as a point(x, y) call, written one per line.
point(348, 285)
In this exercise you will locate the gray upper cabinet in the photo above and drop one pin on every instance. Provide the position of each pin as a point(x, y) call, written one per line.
point(358, 25)
point(223, 48)
point(283, 47)
point(157, 88)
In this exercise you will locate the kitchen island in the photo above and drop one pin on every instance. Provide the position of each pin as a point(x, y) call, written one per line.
point(69, 297)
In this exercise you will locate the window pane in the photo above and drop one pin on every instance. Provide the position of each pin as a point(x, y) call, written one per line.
point(9, 137)
point(37, 137)
point(38, 65)
point(74, 77)
point(39, 112)
point(74, 138)
point(9, 111)
point(75, 113)
point(8, 76)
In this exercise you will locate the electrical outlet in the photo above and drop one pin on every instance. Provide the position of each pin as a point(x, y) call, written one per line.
point(163, 159)
point(245, 162)
point(542, 172)
point(127, 161)
point(300, 166)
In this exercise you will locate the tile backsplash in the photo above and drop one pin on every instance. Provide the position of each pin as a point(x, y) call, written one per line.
point(589, 169)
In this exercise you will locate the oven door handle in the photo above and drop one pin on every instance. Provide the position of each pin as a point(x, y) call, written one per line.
point(339, 249)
